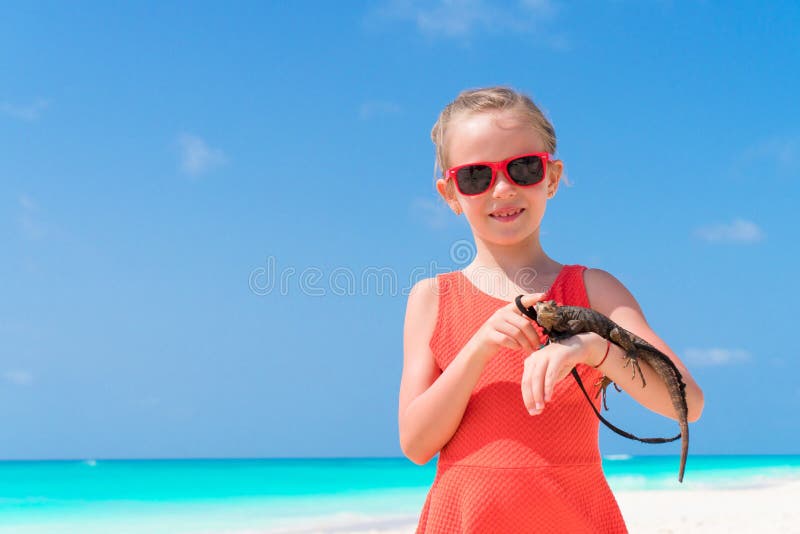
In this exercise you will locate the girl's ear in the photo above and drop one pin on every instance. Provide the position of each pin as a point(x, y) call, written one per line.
point(452, 201)
point(554, 171)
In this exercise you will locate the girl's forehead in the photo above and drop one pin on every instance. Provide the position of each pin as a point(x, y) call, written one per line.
point(508, 118)
point(488, 135)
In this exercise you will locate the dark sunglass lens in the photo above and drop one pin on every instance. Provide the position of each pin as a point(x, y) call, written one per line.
point(474, 179)
point(527, 170)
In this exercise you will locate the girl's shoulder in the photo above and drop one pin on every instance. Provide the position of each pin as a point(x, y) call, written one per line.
point(428, 288)
point(430, 296)
point(607, 293)
point(423, 292)
point(422, 307)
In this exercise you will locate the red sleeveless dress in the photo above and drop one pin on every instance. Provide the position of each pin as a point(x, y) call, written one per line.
point(504, 470)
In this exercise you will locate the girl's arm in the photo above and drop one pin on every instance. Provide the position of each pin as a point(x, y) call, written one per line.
point(610, 297)
point(432, 403)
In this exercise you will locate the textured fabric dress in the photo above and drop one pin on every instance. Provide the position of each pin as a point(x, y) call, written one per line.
point(505, 471)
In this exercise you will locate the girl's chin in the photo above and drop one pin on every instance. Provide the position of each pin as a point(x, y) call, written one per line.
point(506, 239)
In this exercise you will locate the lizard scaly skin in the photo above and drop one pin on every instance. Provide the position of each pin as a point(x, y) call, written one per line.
point(559, 322)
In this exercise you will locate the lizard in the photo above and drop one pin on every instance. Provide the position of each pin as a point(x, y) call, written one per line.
point(559, 322)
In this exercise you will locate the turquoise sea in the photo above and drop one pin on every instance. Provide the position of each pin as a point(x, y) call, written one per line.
point(290, 495)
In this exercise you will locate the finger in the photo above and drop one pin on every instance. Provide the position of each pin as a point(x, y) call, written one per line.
point(530, 300)
point(507, 334)
point(513, 344)
point(537, 380)
point(551, 376)
point(516, 331)
point(526, 330)
point(527, 392)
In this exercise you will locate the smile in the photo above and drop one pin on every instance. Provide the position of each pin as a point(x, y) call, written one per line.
point(507, 215)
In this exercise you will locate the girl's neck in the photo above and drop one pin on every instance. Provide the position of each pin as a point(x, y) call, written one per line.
point(524, 264)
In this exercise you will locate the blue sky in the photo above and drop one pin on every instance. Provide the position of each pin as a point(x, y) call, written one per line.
point(163, 165)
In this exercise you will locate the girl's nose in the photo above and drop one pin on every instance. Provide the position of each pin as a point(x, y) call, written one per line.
point(503, 186)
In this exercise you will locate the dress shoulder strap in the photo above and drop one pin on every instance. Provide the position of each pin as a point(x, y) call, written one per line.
point(569, 287)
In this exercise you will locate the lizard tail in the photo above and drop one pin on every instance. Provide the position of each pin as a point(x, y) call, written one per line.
point(684, 448)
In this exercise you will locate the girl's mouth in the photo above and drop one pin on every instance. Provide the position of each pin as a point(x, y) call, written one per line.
point(507, 215)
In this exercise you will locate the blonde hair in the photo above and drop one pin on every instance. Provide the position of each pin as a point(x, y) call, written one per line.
point(489, 99)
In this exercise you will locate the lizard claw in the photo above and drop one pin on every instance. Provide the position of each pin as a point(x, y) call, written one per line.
point(633, 357)
point(602, 386)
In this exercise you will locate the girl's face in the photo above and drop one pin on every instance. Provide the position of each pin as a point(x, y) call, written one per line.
point(496, 136)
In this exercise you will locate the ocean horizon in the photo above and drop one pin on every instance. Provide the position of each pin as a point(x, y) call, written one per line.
point(293, 494)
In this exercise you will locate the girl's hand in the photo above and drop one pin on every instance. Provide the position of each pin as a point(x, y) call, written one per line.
point(507, 327)
point(550, 364)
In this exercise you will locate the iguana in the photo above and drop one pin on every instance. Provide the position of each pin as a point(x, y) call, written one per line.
point(560, 322)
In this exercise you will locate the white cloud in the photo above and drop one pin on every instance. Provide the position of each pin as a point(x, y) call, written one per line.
point(452, 18)
point(436, 215)
point(19, 377)
point(738, 231)
point(716, 356)
point(783, 152)
point(545, 8)
point(377, 108)
point(30, 224)
point(30, 112)
point(463, 18)
point(197, 157)
point(27, 202)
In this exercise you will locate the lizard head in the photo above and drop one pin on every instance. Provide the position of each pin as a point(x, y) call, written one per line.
point(546, 314)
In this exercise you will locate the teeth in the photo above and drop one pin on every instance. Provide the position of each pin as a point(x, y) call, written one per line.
point(508, 213)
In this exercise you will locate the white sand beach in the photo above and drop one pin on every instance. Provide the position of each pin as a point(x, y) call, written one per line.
point(773, 509)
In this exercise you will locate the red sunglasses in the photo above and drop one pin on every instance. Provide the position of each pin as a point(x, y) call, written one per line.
point(476, 178)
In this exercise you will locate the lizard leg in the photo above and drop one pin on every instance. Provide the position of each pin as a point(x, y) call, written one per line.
point(575, 326)
point(555, 337)
point(622, 339)
point(632, 357)
point(603, 386)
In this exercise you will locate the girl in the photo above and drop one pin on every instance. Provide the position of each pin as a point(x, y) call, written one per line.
point(518, 445)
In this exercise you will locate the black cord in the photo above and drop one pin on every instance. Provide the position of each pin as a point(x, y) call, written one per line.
point(530, 312)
